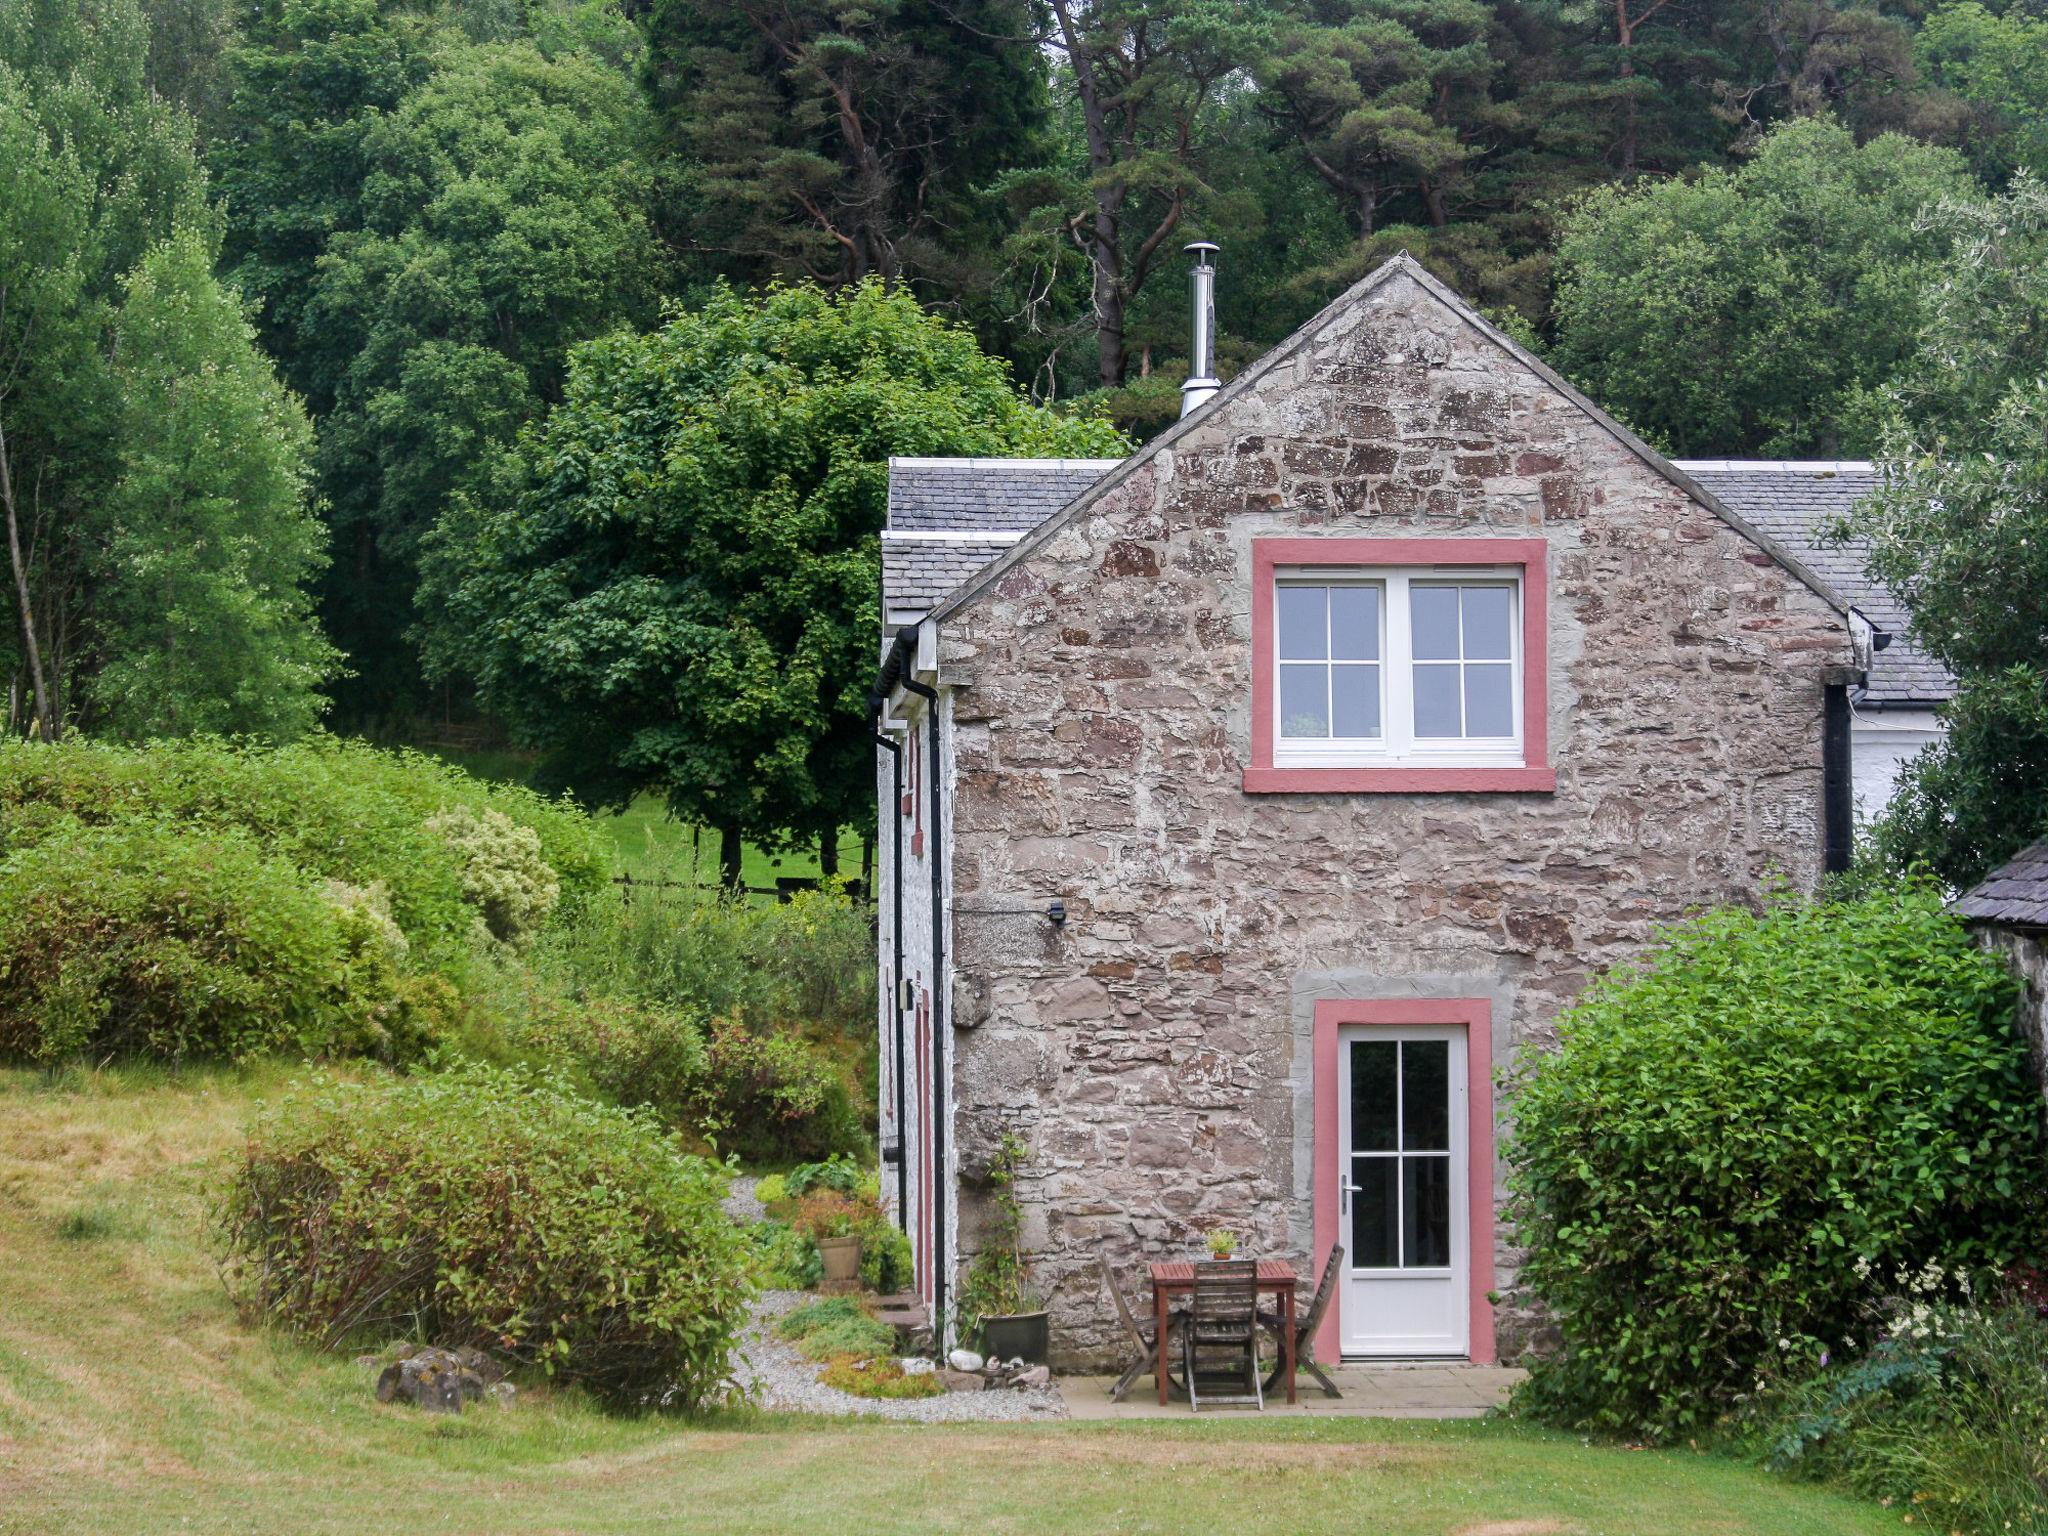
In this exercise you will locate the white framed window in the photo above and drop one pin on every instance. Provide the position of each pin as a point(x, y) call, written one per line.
point(1384, 666)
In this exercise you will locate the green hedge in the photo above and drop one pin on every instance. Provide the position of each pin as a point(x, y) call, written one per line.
point(1729, 1127)
point(487, 1208)
point(139, 939)
point(337, 810)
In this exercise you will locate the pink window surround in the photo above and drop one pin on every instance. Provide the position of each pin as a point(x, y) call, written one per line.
point(1476, 1014)
point(1269, 556)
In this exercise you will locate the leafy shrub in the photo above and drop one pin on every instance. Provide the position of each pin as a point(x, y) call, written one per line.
point(503, 873)
point(1947, 1415)
point(839, 1174)
point(336, 810)
point(764, 1098)
point(784, 1258)
point(1728, 1127)
point(884, 1255)
point(771, 1189)
point(428, 1204)
point(827, 1214)
point(141, 939)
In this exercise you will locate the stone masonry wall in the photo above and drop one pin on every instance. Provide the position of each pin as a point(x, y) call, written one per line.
point(1154, 1050)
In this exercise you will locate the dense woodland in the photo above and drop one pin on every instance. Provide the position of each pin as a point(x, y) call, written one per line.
point(315, 315)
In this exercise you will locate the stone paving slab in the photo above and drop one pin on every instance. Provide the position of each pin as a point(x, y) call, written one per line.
point(1417, 1391)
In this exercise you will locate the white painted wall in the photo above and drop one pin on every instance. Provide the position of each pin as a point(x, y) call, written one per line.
point(1881, 742)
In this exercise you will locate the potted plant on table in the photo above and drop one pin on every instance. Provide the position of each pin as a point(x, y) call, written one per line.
point(1222, 1243)
point(996, 1304)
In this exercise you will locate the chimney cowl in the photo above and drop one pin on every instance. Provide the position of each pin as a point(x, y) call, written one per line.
point(1202, 381)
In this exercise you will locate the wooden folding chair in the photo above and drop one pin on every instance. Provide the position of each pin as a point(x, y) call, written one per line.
point(1147, 1348)
point(1305, 1327)
point(1224, 1321)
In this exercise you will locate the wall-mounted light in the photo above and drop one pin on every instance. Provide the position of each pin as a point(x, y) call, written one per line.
point(1057, 911)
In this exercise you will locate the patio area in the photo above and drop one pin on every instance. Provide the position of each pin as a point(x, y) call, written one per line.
point(1396, 1391)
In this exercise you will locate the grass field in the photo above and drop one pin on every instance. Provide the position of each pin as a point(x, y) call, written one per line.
point(132, 1400)
point(653, 845)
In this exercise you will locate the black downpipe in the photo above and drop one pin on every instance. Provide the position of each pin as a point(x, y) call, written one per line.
point(938, 845)
point(895, 751)
point(1838, 792)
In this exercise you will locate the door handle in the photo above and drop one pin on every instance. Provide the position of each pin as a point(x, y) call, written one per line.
point(1345, 1190)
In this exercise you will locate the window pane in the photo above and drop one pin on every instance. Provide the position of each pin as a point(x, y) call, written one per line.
point(1426, 1096)
point(1355, 701)
point(1372, 1095)
point(1426, 1212)
point(1375, 1216)
point(1355, 623)
point(1305, 701)
point(1487, 612)
point(1436, 700)
point(1304, 632)
point(1489, 701)
point(1433, 613)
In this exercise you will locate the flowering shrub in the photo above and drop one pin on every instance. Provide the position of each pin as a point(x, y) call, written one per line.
point(1945, 1414)
point(1726, 1128)
point(504, 874)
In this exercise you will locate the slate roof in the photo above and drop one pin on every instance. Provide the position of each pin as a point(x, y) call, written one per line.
point(1791, 500)
point(951, 518)
point(948, 518)
point(2015, 894)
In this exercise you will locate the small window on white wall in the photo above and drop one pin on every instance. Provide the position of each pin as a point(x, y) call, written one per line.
point(1394, 666)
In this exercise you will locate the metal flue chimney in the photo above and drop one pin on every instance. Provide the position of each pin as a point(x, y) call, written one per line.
point(1202, 381)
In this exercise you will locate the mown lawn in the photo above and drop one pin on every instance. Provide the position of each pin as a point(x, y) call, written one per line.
point(133, 1400)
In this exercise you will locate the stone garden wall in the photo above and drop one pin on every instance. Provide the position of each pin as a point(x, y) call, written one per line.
point(1154, 1050)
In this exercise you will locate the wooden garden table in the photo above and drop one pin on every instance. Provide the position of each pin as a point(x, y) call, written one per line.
point(1176, 1277)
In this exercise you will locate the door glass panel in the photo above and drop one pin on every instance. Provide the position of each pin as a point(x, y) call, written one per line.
point(1375, 1212)
point(1373, 1064)
point(1304, 623)
point(1426, 1212)
point(1426, 1095)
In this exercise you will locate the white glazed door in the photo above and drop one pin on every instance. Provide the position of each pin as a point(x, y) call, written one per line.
point(1403, 1190)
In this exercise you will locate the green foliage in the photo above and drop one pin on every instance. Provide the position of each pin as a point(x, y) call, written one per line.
point(994, 1285)
point(836, 1325)
point(1946, 1418)
point(1958, 527)
point(785, 1258)
point(421, 1204)
point(836, 142)
point(210, 539)
point(1730, 1126)
point(501, 219)
point(332, 810)
point(1996, 60)
point(1793, 284)
point(151, 468)
point(137, 939)
point(683, 591)
point(879, 1378)
point(504, 874)
point(761, 1097)
point(842, 1175)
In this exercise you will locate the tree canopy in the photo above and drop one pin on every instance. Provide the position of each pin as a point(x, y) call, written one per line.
point(676, 583)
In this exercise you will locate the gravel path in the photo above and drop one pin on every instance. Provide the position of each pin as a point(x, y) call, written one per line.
point(786, 1381)
point(739, 1201)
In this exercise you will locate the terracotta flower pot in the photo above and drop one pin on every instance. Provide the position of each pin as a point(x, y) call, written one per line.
point(841, 1256)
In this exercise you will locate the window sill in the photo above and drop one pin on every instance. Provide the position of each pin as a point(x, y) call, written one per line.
point(1399, 781)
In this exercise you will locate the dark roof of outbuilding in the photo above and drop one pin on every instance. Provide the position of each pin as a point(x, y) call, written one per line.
point(1793, 501)
point(950, 517)
point(2015, 894)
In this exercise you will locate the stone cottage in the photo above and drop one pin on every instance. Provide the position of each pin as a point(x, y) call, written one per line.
point(1248, 801)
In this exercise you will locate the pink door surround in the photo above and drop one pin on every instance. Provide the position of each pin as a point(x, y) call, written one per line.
point(1476, 1014)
